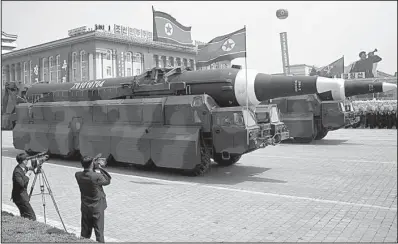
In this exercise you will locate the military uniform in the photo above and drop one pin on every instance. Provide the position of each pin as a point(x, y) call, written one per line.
point(93, 202)
point(19, 193)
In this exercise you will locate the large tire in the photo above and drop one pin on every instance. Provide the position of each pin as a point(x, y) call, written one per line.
point(203, 167)
point(222, 162)
point(321, 134)
point(303, 139)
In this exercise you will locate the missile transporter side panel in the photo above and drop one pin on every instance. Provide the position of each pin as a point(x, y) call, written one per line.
point(181, 132)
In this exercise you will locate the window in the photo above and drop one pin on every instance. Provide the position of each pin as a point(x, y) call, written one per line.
point(178, 61)
point(164, 61)
point(138, 63)
point(53, 71)
point(171, 61)
point(58, 68)
point(128, 72)
point(44, 63)
point(185, 61)
point(192, 64)
point(83, 66)
point(25, 73)
point(108, 70)
point(30, 72)
point(3, 75)
point(12, 78)
point(74, 67)
point(18, 72)
point(129, 64)
point(109, 55)
point(155, 61)
point(128, 57)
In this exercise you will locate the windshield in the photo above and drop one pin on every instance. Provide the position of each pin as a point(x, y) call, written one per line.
point(274, 115)
point(249, 118)
point(342, 107)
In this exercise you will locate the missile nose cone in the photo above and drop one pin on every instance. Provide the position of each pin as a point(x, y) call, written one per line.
point(388, 87)
point(358, 87)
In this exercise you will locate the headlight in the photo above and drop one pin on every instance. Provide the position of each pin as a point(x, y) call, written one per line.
point(238, 119)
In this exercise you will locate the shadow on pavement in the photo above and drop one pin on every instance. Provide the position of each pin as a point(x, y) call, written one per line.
point(323, 142)
point(230, 175)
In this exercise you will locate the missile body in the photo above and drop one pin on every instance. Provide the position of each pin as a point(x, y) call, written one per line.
point(228, 87)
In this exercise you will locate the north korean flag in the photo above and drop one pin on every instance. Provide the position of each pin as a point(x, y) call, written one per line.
point(223, 48)
point(167, 29)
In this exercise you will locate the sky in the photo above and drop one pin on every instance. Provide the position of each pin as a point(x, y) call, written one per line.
point(318, 33)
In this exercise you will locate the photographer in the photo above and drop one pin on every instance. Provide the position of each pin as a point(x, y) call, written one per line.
point(19, 188)
point(93, 198)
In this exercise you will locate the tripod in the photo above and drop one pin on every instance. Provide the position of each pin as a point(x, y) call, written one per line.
point(44, 182)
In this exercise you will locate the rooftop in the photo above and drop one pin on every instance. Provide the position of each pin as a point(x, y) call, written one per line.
point(8, 36)
point(100, 35)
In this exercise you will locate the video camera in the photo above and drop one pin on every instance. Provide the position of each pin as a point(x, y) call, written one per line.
point(36, 161)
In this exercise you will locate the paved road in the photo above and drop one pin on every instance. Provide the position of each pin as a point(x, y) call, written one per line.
point(343, 188)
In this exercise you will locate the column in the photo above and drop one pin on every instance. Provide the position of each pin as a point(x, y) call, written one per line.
point(168, 62)
point(98, 65)
point(90, 66)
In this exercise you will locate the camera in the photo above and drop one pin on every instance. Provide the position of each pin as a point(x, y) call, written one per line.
point(37, 160)
point(98, 161)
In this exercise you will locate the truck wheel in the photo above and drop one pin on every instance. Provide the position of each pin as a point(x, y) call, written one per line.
point(222, 162)
point(321, 134)
point(303, 139)
point(203, 167)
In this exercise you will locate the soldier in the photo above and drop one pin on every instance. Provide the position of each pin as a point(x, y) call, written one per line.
point(362, 119)
point(19, 188)
point(93, 198)
point(380, 118)
point(390, 118)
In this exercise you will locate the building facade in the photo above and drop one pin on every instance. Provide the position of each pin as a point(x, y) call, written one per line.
point(93, 54)
point(299, 69)
point(8, 42)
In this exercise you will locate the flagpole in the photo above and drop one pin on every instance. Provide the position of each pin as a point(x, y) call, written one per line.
point(247, 97)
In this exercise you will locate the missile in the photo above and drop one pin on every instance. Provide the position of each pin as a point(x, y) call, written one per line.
point(228, 87)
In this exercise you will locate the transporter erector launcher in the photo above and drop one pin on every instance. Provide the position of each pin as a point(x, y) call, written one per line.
point(226, 86)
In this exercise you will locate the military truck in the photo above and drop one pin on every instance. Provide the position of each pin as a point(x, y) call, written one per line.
point(311, 117)
point(12, 94)
point(168, 117)
point(308, 118)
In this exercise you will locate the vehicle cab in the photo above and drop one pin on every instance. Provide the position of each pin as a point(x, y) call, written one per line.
point(235, 131)
point(270, 114)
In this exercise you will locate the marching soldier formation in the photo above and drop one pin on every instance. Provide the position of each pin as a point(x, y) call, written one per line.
point(376, 114)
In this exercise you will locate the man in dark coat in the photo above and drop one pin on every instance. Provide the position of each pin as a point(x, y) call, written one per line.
point(366, 64)
point(93, 198)
point(20, 183)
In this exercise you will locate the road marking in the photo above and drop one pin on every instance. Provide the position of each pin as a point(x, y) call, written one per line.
point(241, 190)
point(341, 159)
point(53, 223)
